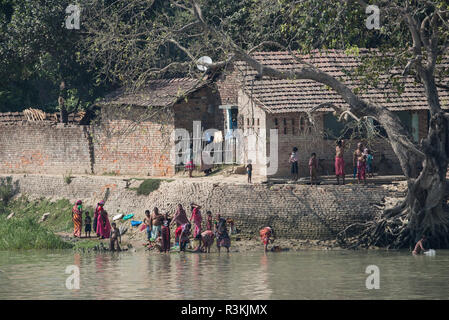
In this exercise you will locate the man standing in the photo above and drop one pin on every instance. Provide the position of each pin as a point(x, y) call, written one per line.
point(339, 161)
point(294, 163)
point(355, 157)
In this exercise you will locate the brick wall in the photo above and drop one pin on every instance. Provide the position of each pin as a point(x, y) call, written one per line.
point(43, 147)
point(299, 212)
point(118, 146)
point(123, 140)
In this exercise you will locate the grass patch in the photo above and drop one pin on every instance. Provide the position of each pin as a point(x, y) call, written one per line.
point(150, 185)
point(60, 218)
point(86, 244)
point(23, 234)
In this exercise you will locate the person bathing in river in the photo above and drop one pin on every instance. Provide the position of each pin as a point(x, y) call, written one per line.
point(156, 220)
point(115, 236)
point(339, 161)
point(266, 235)
point(207, 239)
point(180, 216)
point(419, 247)
point(165, 234)
point(87, 224)
point(197, 219)
point(221, 233)
point(77, 218)
point(209, 221)
point(147, 222)
point(182, 233)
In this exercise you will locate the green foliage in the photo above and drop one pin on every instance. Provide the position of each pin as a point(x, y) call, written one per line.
point(60, 218)
point(24, 234)
point(150, 185)
point(37, 53)
point(7, 190)
point(68, 177)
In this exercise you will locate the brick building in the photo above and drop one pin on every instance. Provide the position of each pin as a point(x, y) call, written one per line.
point(264, 104)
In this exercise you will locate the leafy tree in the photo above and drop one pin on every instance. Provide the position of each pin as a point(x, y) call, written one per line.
point(38, 53)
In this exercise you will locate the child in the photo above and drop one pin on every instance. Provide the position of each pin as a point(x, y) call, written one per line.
point(265, 235)
point(88, 224)
point(369, 163)
point(209, 221)
point(207, 240)
point(294, 164)
point(115, 236)
point(313, 166)
point(361, 168)
point(249, 170)
point(165, 234)
point(146, 221)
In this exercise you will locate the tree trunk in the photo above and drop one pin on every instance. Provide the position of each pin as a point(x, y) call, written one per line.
point(64, 117)
point(427, 193)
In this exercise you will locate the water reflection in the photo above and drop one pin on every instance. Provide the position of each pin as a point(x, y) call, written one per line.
point(301, 275)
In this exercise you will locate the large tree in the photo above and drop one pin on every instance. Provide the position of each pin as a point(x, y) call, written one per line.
point(39, 57)
point(141, 39)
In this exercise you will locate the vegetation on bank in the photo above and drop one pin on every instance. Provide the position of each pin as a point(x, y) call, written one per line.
point(150, 185)
point(24, 230)
point(26, 234)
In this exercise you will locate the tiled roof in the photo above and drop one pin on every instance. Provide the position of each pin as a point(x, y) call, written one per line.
point(279, 96)
point(157, 93)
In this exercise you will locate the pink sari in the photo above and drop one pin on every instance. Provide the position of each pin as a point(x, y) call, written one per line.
point(103, 225)
point(197, 219)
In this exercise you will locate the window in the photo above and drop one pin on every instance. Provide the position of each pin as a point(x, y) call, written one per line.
point(285, 126)
point(293, 126)
point(334, 129)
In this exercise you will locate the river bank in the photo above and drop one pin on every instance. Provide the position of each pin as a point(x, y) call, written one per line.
point(295, 211)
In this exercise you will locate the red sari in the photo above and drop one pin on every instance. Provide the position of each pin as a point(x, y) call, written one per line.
point(103, 225)
point(77, 221)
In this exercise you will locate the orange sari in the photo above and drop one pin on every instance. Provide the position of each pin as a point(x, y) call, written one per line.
point(77, 221)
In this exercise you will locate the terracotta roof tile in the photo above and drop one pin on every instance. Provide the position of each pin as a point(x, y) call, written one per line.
point(157, 93)
point(279, 95)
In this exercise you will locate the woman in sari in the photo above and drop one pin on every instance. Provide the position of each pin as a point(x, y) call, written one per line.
point(98, 209)
point(103, 225)
point(197, 219)
point(180, 216)
point(77, 218)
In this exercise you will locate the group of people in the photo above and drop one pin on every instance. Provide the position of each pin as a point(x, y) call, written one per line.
point(158, 229)
point(101, 225)
point(362, 163)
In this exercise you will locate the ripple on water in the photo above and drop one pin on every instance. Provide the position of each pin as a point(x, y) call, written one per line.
point(253, 275)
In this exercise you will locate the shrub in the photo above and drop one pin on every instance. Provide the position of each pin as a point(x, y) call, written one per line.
point(7, 190)
point(26, 234)
point(148, 186)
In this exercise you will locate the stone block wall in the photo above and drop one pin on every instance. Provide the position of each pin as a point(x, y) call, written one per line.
point(297, 212)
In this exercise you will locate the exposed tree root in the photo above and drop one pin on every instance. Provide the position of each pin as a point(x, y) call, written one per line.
point(390, 229)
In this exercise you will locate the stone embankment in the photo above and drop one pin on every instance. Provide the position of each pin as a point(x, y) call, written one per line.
point(295, 211)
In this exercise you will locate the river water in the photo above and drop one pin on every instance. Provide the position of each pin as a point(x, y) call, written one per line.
point(285, 275)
